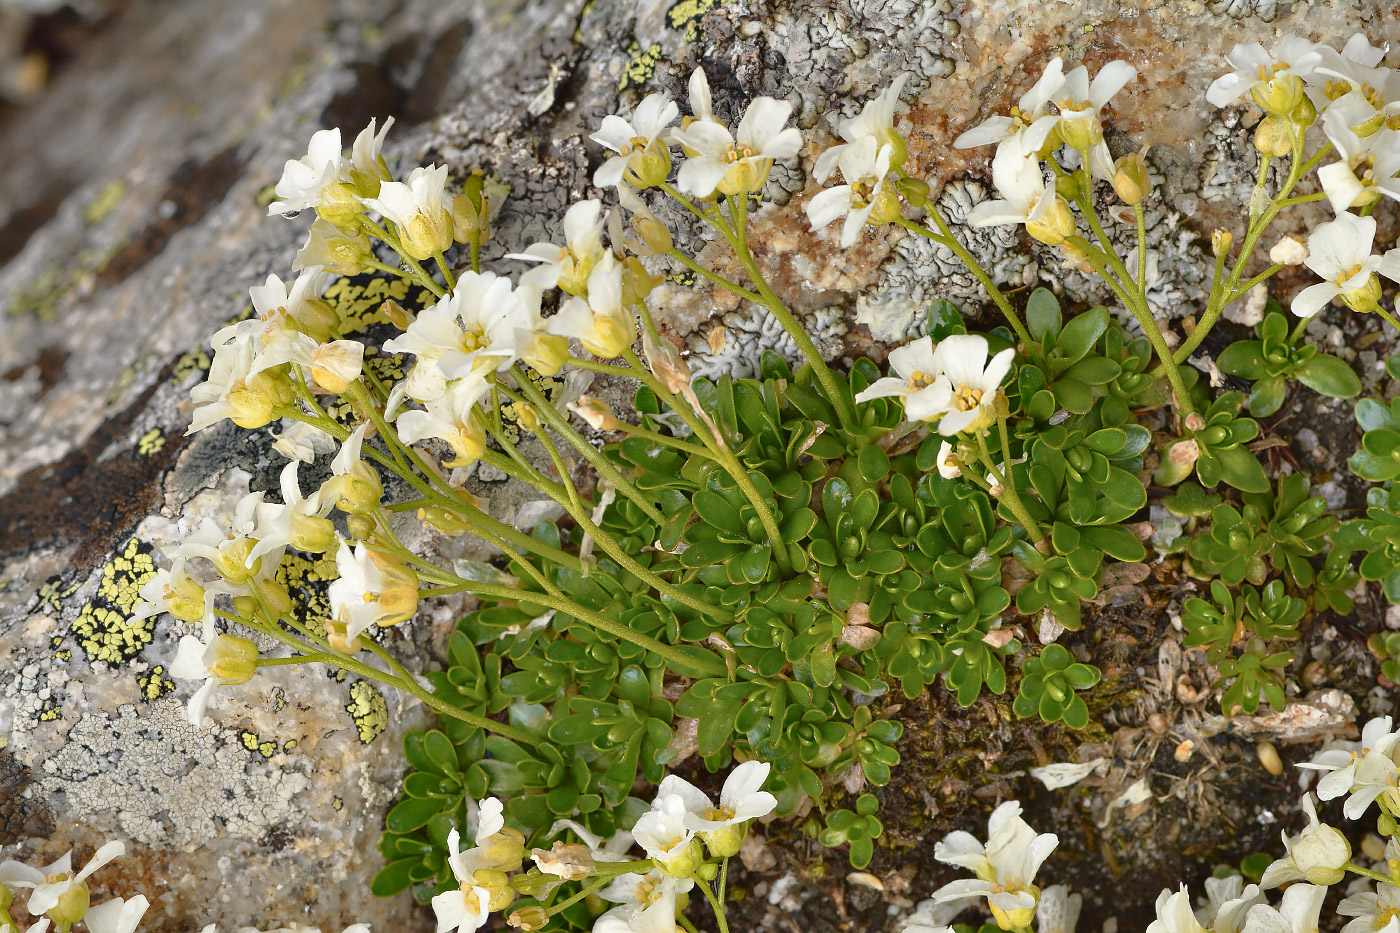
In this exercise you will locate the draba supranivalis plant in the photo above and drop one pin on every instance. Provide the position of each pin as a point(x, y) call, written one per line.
point(1027, 129)
point(1340, 251)
point(218, 660)
point(1361, 771)
point(1318, 855)
point(738, 162)
point(642, 157)
point(1005, 866)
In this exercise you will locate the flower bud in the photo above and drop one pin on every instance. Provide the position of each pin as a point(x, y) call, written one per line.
point(232, 563)
point(885, 208)
point(1220, 242)
point(316, 319)
point(1305, 114)
point(1365, 299)
point(528, 918)
point(653, 232)
point(338, 251)
point(1279, 95)
point(504, 850)
point(361, 527)
point(1051, 221)
point(313, 534)
point(1321, 855)
point(527, 417)
point(357, 492)
point(443, 521)
point(595, 413)
point(398, 598)
point(336, 630)
point(340, 205)
point(1273, 137)
point(255, 401)
point(426, 235)
point(682, 861)
point(727, 840)
point(1081, 132)
point(899, 151)
point(546, 353)
point(336, 366)
point(396, 314)
point(468, 443)
point(913, 190)
point(1131, 181)
point(72, 906)
point(707, 872)
point(637, 283)
point(234, 659)
point(469, 222)
point(273, 594)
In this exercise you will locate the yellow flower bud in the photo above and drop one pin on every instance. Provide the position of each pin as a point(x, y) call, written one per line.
point(613, 333)
point(255, 401)
point(547, 353)
point(1131, 181)
point(1305, 114)
point(653, 233)
point(313, 534)
point(1081, 132)
point(726, 841)
point(468, 443)
point(232, 561)
point(336, 630)
point(528, 918)
point(469, 222)
point(683, 861)
point(235, 660)
point(360, 527)
point(186, 600)
point(504, 850)
point(1052, 225)
point(1017, 919)
point(357, 492)
point(913, 190)
point(1220, 242)
point(274, 595)
point(396, 314)
point(1274, 137)
point(317, 319)
point(527, 417)
point(637, 283)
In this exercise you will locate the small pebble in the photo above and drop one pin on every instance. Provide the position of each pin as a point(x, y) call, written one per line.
point(1184, 750)
point(1157, 723)
point(1268, 757)
point(1314, 675)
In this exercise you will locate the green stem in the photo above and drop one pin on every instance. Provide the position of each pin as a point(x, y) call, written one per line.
point(447, 275)
point(719, 280)
point(674, 443)
point(422, 275)
point(1142, 250)
point(1389, 318)
point(1013, 498)
point(738, 215)
point(1242, 290)
point(715, 905)
point(600, 463)
point(1298, 329)
point(946, 238)
point(316, 658)
point(1373, 875)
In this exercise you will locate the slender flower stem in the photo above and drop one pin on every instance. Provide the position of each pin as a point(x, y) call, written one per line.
point(1389, 318)
point(1242, 290)
point(738, 215)
point(1142, 249)
point(674, 443)
point(719, 280)
point(946, 238)
point(447, 275)
point(422, 275)
point(551, 416)
point(715, 904)
point(1373, 875)
point(1007, 483)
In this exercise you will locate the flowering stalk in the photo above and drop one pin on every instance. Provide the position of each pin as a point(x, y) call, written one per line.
point(1007, 483)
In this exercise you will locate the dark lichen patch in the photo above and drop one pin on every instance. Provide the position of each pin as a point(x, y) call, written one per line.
point(154, 684)
point(307, 578)
point(21, 817)
point(50, 596)
point(104, 628)
point(368, 709)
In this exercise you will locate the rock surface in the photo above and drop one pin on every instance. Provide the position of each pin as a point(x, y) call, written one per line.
point(132, 221)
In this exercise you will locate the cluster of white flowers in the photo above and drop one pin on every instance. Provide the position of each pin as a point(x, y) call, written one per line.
point(682, 826)
point(1355, 99)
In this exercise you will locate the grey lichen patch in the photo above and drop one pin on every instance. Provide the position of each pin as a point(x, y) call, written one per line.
point(1266, 10)
point(166, 782)
point(734, 344)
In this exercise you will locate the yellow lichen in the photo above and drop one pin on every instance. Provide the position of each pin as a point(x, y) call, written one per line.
point(150, 443)
point(104, 627)
point(641, 64)
point(368, 709)
point(154, 684)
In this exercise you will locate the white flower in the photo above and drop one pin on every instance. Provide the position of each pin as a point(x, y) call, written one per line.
point(1027, 197)
point(370, 590)
point(914, 362)
point(228, 374)
point(365, 151)
point(1375, 911)
point(631, 138)
point(273, 304)
point(1230, 901)
point(1174, 913)
point(600, 322)
point(117, 915)
point(1031, 121)
point(741, 799)
point(1080, 102)
point(1368, 164)
point(665, 833)
point(54, 881)
point(1355, 80)
point(303, 179)
point(299, 521)
point(467, 908)
point(1302, 904)
point(1058, 910)
point(449, 417)
point(647, 903)
point(176, 592)
point(419, 209)
point(1005, 866)
point(1365, 770)
point(228, 548)
point(1340, 252)
point(568, 266)
point(1275, 81)
point(865, 171)
point(1317, 855)
point(739, 162)
point(354, 484)
point(215, 659)
point(875, 122)
point(331, 248)
point(482, 325)
point(965, 391)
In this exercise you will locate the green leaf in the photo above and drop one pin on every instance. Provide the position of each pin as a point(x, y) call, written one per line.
point(439, 750)
point(874, 463)
point(394, 877)
point(1243, 358)
point(1267, 395)
point(1043, 314)
point(411, 813)
point(1241, 469)
point(1327, 375)
point(1080, 334)
point(1371, 414)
